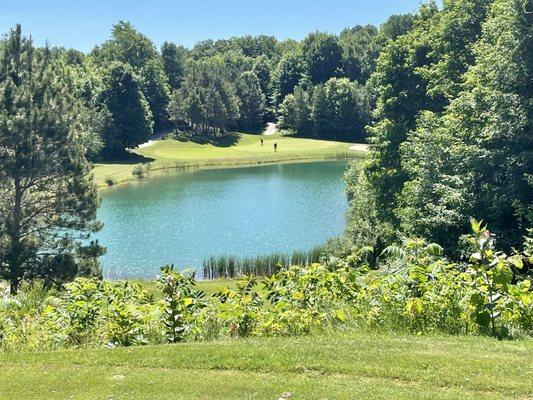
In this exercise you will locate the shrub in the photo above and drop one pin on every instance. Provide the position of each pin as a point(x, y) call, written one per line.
point(141, 171)
point(110, 181)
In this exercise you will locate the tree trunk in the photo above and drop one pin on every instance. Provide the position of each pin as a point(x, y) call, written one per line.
point(13, 284)
point(14, 254)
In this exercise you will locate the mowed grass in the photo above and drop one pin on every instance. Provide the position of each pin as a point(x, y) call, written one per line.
point(242, 149)
point(349, 365)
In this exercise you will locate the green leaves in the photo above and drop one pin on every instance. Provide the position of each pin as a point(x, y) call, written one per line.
point(394, 251)
point(421, 292)
point(477, 226)
point(336, 109)
point(502, 274)
point(45, 185)
point(131, 118)
point(206, 100)
point(180, 303)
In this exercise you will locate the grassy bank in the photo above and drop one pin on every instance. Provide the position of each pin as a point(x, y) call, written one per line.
point(239, 150)
point(346, 365)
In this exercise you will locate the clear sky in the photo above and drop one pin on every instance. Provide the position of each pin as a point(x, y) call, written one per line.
point(84, 23)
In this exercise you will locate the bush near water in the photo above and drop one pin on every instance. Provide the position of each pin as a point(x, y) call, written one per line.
point(416, 288)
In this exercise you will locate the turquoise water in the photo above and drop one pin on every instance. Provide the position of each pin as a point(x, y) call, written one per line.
point(185, 217)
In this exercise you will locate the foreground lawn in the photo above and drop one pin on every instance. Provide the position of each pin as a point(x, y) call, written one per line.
point(242, 149)
point(341, 366)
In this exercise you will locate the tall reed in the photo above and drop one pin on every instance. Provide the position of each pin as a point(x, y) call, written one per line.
point(225, 266)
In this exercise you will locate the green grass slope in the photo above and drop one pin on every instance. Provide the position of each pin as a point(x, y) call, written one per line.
point(241, 149)
point(340, 366)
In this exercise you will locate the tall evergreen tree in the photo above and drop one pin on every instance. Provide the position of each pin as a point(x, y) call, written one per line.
point(48, 198)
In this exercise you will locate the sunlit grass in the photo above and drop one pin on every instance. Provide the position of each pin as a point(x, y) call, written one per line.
point(349, 365)
point(246, 150)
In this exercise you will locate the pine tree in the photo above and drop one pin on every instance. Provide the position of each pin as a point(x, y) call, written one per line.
point(48, 198)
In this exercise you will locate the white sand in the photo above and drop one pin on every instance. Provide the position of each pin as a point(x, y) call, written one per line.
point(359, 146)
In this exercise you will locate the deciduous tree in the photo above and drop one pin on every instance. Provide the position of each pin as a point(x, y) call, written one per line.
point(131, 116)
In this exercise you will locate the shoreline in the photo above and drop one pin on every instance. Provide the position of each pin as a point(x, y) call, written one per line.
point(161, 169)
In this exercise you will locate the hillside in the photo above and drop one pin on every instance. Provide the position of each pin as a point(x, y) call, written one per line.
point(240, 149)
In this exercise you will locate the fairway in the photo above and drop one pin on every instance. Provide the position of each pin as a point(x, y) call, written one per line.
point(242, 149)
point(346, 365)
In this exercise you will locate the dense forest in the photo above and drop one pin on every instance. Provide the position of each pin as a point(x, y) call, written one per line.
point(442, 95)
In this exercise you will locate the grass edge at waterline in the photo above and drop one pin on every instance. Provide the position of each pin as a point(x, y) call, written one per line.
point(173, 154)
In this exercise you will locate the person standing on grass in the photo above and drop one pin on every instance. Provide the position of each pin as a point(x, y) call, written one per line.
point(261, 141)
point(275, 146)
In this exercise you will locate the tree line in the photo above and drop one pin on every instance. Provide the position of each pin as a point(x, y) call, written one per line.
point(128, 89)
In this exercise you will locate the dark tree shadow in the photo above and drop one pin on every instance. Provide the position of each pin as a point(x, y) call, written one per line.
point(341, 139)
point(255, 131)
point(126, 157)
point(226, 139)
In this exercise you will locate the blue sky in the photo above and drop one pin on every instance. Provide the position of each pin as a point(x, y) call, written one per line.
point(82, 24)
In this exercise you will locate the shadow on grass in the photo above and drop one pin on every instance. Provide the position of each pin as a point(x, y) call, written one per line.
point(227, 139)
point(255, 131)
point(352, 139)
point(127, 158)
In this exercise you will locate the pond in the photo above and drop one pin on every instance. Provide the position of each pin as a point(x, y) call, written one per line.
point(185, 217)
